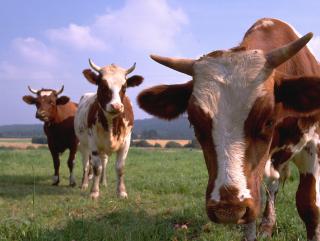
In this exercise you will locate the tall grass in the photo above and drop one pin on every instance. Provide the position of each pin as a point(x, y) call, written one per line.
point(166, 201)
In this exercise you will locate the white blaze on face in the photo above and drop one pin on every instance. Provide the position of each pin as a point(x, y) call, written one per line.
point(115, 77)
point(264, 24)
point(226, 88)
point(46, 93)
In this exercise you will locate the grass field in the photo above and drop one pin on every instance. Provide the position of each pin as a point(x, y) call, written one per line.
point(165, 187)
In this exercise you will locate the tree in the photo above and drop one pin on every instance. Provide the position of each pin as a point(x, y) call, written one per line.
point(149, 134)
point(173, 144)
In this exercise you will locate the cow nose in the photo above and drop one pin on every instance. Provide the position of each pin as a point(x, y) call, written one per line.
point(225, 213)
point(40, 115)
point(117, 107)
point(230, 211)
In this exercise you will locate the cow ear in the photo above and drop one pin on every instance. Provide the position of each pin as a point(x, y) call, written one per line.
point(134, 80)
point(92, 77)
point(298, 96)
point(29, 99)
point(166, 101)
point(62, 100)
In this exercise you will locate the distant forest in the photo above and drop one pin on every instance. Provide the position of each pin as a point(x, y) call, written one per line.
point(143, 129)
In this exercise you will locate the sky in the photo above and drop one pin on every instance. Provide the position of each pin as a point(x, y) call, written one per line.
point(46, 44)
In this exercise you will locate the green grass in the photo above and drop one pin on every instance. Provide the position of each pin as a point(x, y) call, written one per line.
point(16, 140)
point(165, 188)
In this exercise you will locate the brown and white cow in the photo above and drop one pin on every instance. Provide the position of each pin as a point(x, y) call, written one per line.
point(57, 113)
point(246, 104)
point(104, 122)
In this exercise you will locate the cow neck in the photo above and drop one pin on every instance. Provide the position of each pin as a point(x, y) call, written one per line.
point(55, 120)
point(111, 125)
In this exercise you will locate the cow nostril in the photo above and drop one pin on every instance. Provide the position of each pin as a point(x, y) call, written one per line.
point(117, 107)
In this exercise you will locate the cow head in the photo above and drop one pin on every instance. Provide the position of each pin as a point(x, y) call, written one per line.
point(46, 101)
point(234, 102)
point(112, 82)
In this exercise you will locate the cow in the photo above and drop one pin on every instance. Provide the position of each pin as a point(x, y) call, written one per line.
point(57, 113)
point(103, 123)
point(252, 105)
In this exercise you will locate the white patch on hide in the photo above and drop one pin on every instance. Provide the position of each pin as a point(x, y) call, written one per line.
point(226, 88)
point(46, 92)
point(264, 24)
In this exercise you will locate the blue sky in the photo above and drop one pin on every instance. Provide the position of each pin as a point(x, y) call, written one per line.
point(48, 43)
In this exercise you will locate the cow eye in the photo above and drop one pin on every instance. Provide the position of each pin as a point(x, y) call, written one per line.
point(269, 123)
point(124, 88)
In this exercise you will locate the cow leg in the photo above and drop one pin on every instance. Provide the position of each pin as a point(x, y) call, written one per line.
point(85, 165)
point(272, 185)
point(97, 169)
point(121, 157)
point(249, 231)
point(56, 164)
point(103, 179)
point(307, 196)
point(71, 161)
point(269, 215)
point(90, 174)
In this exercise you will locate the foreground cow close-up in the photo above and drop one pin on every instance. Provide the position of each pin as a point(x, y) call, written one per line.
point(104, 122)
point(250, 105)
point(57, 113)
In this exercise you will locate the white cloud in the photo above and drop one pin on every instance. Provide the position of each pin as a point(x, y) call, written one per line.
point(29, 59)
point(79, 37)
point(35, 51)
point(143, 25)
point(315, 46)
point(147, 25)
point(22, 73)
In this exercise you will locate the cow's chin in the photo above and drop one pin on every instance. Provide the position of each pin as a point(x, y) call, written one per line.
point(112, 114)
point(44, 119)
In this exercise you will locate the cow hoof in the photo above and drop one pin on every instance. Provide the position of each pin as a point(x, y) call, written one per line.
point(123, 195)
point(84, 187)
point(72, 181)
point(264, 235)
point(94, 195)
point(55, 181)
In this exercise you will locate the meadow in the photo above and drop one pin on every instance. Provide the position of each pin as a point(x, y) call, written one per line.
point(166, 201)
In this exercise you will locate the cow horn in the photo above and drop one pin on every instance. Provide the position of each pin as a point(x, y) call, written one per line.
point(94, 66)
point(60, 91)
point(131, 69)
point(182, 65)
point(282, 54)
point(34, 91)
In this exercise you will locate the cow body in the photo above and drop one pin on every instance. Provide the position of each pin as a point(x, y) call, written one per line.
point(57, 113)
point(104, 124)
point(251, 105)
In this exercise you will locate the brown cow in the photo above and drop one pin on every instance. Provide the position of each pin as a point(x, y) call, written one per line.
point(104, 122)
point(263, 93)
point(57, 113)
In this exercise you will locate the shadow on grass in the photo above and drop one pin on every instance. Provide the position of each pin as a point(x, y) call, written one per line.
point(19, 186)
point(128, 224)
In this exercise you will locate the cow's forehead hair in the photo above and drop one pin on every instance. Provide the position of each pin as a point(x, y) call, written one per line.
point(114, 75)
point(238, 73)
point(46, 92)
point(226, 87)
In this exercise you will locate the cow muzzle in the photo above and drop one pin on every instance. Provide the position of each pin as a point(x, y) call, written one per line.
point(41, 115)
point(116, 108)
point(225, 212)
